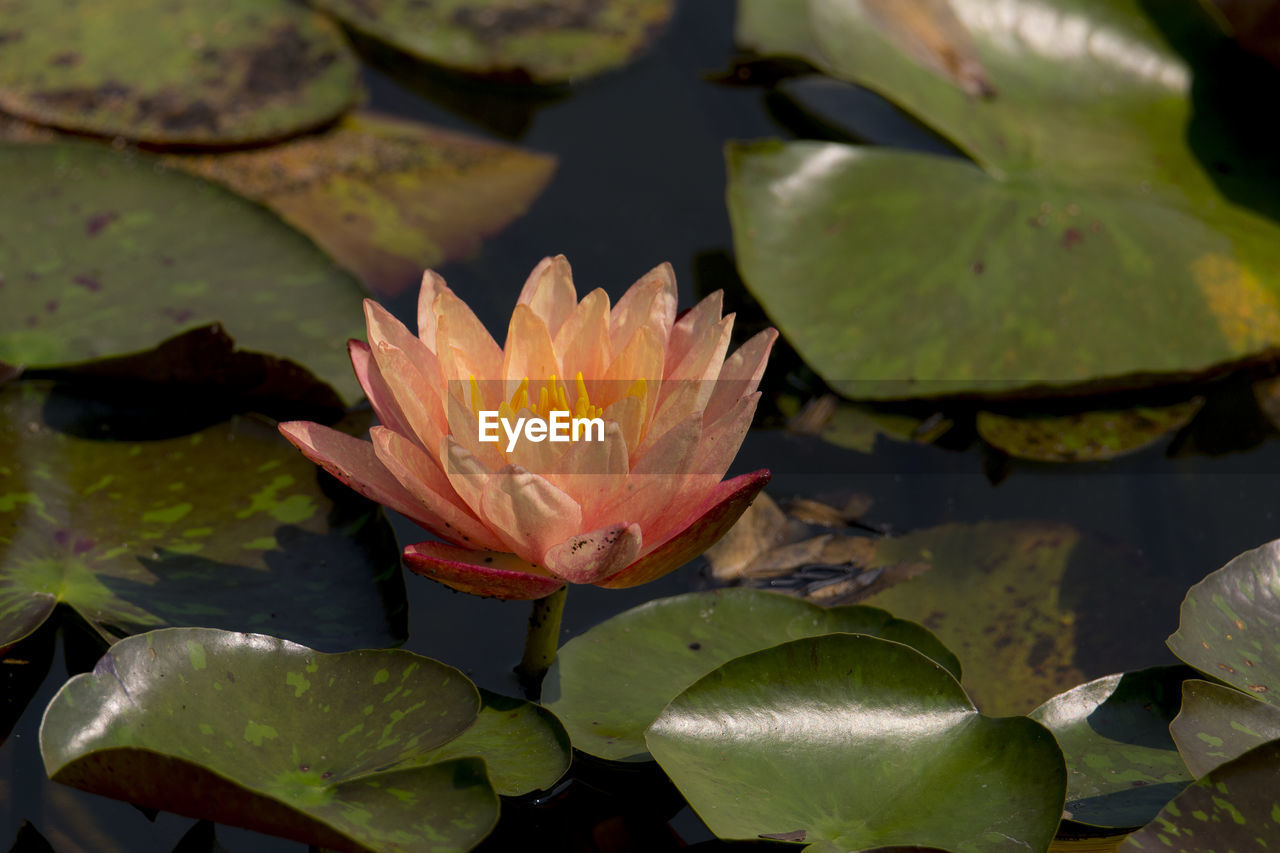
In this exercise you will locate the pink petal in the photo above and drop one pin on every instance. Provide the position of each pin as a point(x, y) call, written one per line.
point(649, 303)
point(691, 326)
point(640, 359)
point(528, 513)
point(588, 557)
point(459, 330)
point(422, 477)
point(656, 478)
point(415, 394)
point(722, 508)
point(432, 286)
point(529, 353)
point(591, 472)
point(467, 474)
point(480, 572)
point(376, 388)
point(550, 293)
point(741, 373)
point(354, 463)
point(583, 341)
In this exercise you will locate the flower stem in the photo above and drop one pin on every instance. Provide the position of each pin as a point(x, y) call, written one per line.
point(541, 641)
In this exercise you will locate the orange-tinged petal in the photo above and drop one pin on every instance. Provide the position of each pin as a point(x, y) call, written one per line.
point(354, 463)
point(688, 389)
point(582, 343)
point(529, 353)
point(464, 428)
point(376, 388)
point(641, 359)
point(467, 474)
point(588, 557)
point(741, 373)
point(422, 477)
point(649, 303)
point(528, 512)
point(432, 286)
point(550, 293)
point(723, 507)
point(591, 472)
point(691, 326)
point(487, 573)
point(415, 394)
point(457, 326)
point(656, 478)
point(628, 414)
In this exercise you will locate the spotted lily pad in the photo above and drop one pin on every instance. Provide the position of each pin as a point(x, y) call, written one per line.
point(1217, 724)
point(228, 527)
point(258, 732)
point(514, 39)
point(609, 683)
point(524, 746)
point(99, 257)
point(861, 742)
point(1235, 808)
point(206, 73)
point(1095, 162)
point(1085, 436)
point(387, 198)
point(1229, 625)
point(1122, 766)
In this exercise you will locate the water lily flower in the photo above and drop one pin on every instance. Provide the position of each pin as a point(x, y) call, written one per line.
point(520, 516)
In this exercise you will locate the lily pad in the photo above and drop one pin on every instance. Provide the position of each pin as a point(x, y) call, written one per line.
point(386, 198)
point(1096, 161)
point(524, 747)
point(100, 257)
point(858, 741)
point(513, 39)
point(1122, 766)
point(609, 683)
point(1229, 624)
point(996, 594)
point(1236, 807)
point(201, 73)
point(1217, 724)
point(1085, 436)
point(228, 528)
point(258, 732)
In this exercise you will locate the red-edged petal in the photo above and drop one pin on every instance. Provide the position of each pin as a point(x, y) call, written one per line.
point(355, 463)
point(376, 388)
point(721, 509)
point(588, 557)
point(491, 573)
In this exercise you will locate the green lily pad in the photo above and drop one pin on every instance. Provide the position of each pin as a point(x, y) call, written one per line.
point(1217, 724)
point(100, 258)
point(228, 527)
point(1092, 167)
point(1236, 807)
point(201, 73)
point(513, 39)
point(609, 683)
point(858, 741)
point(1085, 436)
point(386, 198)
point(524, 746)
point(1122, 766)
point(1229, 624)
point(258, 732)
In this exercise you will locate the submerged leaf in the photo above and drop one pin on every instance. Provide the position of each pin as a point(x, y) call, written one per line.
point(207, 73)
point(858, 741)
point(282, 739)
point(1085, 436)
point(515, 39)
point(228, 527)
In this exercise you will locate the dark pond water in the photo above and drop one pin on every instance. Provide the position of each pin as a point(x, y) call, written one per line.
point(641, 180)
